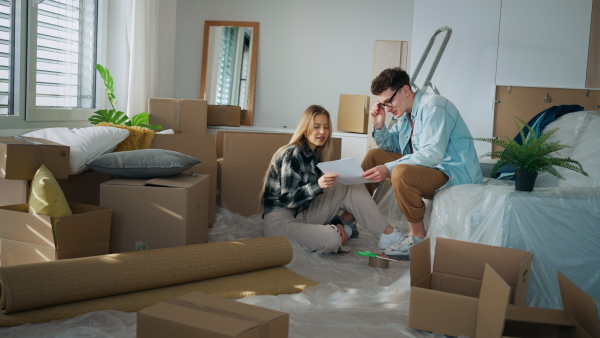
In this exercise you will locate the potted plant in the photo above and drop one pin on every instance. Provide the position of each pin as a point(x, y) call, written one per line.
point(112, 115)
point(533, 155)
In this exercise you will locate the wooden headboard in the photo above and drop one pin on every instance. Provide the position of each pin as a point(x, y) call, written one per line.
point(526, 102)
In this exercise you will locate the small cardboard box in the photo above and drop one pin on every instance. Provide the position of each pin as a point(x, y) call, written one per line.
point(221, 115)
point(201, 147)
point(353, 113)
point(189, 116)
point(202, 315)
point(242, 171)
point(21, 157)
point(156, 213)
point(27, 238)
point(442, 296)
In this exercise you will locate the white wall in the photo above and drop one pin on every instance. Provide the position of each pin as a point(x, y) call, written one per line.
point(309, 52)
point(507, 42)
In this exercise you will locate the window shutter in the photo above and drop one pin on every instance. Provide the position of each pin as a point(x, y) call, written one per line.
point(6, 47)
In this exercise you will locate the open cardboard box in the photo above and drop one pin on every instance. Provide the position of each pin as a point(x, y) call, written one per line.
point(156, 213)
point(442, 296)
point(353, 113)
point(202, 315)
point(28, 238)
point(21, 157)
point(438, 305)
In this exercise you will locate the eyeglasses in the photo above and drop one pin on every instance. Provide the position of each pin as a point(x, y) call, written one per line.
point(388, 103)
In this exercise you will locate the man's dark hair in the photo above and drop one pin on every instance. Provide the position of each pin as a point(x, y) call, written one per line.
point(392, 78)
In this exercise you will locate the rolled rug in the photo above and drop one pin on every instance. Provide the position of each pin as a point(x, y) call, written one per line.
point(30, 286)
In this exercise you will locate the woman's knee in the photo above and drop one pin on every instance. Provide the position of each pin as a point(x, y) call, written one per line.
point(330, 240)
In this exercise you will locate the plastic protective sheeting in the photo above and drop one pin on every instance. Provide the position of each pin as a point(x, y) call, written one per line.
point(352, 299)
point(559, 222)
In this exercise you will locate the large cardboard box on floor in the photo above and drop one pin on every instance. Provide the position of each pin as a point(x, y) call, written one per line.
point(246, 157)
point(201, 147)
point(353, 113)
point(14, 191)
point(441, 295)
point(202, 315)
point(156, 213)
point(27, 238)
point(189, 116)
point(21, 157)
point(222, 115)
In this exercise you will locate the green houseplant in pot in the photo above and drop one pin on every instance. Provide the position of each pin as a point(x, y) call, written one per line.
point(112, 115)
point(533, 155)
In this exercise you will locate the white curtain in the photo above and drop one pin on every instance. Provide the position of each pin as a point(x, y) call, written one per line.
point(142, 51)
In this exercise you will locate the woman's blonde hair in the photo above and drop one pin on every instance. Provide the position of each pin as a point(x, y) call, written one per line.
point(324, 152)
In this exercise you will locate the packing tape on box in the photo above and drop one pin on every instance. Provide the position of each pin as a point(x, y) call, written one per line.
point(31, 286)
point(263, 327)
point(177, 113)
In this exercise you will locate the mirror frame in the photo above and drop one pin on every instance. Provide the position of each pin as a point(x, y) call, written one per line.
point(247, 121)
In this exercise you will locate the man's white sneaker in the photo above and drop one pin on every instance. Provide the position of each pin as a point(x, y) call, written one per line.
point(386, 241)
point(400, 249)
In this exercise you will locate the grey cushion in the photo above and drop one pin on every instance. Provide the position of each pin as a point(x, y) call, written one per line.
point(144, 163)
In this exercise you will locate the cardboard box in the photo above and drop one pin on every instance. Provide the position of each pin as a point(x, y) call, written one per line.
point(156, 213)
point(490, 315)
point(202, 315)
point(443, 298)
point(21, 157)
point(27, 238)
point(202, 147)
point(353, 113)
point(189, 116)
point(221, 115)
point(241, 172)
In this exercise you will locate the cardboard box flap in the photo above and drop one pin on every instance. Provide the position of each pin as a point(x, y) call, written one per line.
point(493, 302)
point(178, 181)
point(517, 313)
point(38, 230)
point(468, 259)
point(127, 181)
point(72, 234)
point(420, 267)
point(579, 306)
point(520, 297)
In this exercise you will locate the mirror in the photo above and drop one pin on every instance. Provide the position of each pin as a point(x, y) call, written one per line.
point(228, 73)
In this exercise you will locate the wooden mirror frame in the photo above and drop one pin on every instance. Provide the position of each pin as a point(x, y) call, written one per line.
point(247, 121)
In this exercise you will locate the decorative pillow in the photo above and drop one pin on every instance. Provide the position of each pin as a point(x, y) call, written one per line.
point(47, 198)
point(139, 137)
point(86, 143)
point(143, 163)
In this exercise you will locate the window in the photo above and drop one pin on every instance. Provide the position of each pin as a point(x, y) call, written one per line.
point(56, 81)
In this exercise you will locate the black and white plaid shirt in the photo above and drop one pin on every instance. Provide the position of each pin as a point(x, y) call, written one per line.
point(292, 181)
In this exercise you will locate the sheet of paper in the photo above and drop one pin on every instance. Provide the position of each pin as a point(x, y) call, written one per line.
point(348, 169)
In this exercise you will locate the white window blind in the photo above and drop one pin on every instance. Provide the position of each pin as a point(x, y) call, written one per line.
point(6, 20)
point(66, 49)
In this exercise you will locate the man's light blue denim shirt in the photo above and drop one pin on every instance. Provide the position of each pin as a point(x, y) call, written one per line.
point(441, 140)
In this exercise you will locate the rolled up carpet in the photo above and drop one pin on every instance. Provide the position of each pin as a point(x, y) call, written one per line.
point(30, 286)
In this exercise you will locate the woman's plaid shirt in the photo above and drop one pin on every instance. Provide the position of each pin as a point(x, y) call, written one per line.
point(292, 181)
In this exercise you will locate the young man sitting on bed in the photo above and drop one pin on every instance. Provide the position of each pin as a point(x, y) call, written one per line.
point(429, 148)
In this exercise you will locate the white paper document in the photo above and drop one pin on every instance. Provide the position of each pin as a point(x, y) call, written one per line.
point(348, 168)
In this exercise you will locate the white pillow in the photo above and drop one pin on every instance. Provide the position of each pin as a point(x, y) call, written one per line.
point(86, 143)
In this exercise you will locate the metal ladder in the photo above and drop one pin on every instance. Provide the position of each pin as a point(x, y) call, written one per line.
point(427, 83)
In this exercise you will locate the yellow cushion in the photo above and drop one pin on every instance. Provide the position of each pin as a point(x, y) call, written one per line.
point(47, 198)
point(139, 137)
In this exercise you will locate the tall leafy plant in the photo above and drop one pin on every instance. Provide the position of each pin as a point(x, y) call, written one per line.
point(533, 155)
point(113, 115)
